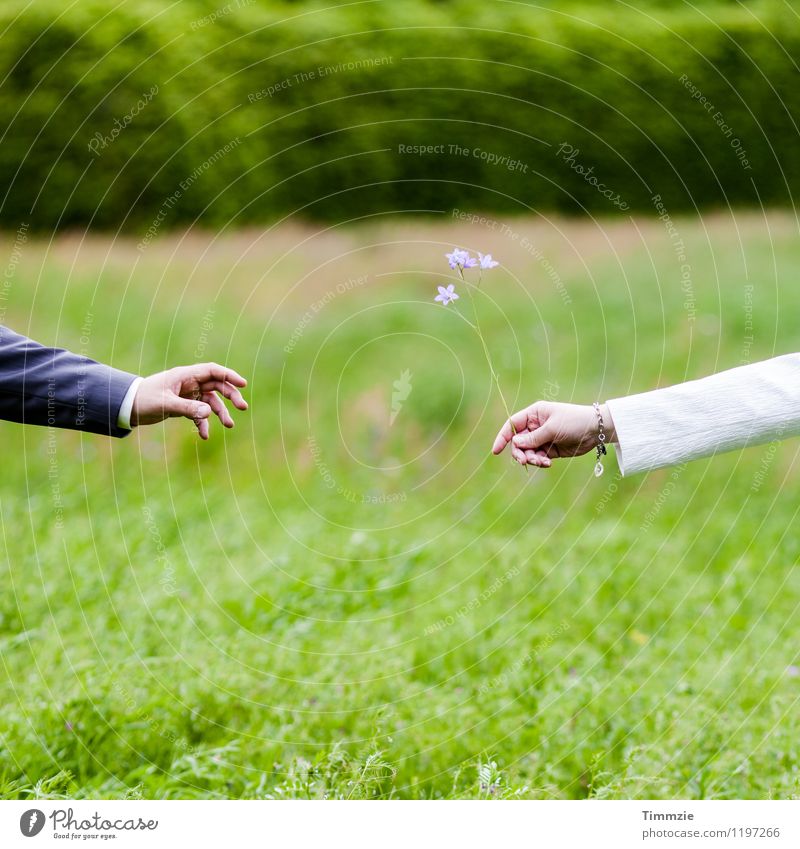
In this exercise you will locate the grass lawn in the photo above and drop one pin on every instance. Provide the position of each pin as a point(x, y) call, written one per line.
point(343, 599)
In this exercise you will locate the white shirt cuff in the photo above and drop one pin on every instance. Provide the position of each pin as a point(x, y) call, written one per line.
point(746, 405)
point(126, 408)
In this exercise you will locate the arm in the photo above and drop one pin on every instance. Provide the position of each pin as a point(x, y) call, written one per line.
point(51, 386)
point(743, 406)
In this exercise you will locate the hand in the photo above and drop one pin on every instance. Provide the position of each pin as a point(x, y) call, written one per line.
point(190, 391)
point(547, 430)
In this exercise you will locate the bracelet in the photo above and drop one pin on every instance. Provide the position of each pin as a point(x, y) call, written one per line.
point(601, 441)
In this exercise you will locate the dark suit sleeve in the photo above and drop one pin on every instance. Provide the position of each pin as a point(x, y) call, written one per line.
point(51, 386)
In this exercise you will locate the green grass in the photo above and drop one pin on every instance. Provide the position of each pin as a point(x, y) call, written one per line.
point(390, 611)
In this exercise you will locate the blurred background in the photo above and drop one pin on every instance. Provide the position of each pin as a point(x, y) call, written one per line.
point(347, 596)
point(695, 102)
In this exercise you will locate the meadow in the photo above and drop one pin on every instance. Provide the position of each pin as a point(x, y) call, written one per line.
point(347, 596)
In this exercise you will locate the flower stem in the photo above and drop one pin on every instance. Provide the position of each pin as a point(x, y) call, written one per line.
point(477, 327)
point(465, 319)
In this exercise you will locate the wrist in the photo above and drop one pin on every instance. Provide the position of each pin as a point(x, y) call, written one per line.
point(608, 423)
point(126, 417)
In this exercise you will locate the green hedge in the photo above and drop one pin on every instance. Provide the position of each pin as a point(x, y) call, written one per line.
point(217, 141)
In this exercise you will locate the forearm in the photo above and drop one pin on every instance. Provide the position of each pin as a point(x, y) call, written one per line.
point(743, 406)
point(51, 386)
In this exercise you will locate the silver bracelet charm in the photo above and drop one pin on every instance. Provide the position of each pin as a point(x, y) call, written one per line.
point(601, 441)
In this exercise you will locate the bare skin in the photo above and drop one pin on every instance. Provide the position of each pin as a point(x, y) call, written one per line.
point(548, 430)
point(194, 392)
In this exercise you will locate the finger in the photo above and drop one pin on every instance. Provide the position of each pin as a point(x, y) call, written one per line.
point(549, 450)
point(174, 405)
point(518, 455)
point(533, 439)
point(519, 421)
point(537, 458)
point(226, 389)
point(202, 426)
point(219, 408)
point(214, 371)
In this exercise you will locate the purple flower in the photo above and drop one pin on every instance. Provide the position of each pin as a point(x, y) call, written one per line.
point(793, 671)
point(487, 261)
point(462, 259)
point(446, 295)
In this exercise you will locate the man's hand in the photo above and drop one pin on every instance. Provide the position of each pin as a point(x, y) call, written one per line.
point(190, 391)
point(547, 430)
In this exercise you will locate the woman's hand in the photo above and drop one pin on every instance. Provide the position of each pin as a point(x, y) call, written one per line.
point(548, 429)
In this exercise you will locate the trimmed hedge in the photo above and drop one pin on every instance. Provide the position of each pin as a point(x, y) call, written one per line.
point(248, 112)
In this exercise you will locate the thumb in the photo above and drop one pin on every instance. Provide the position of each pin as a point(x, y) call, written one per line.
point(177, 406)
point(536, 438)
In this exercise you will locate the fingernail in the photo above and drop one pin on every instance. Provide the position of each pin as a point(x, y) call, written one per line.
point(203, 410)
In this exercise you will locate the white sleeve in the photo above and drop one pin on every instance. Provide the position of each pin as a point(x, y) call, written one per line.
point(744, 406)
point(124, 415)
